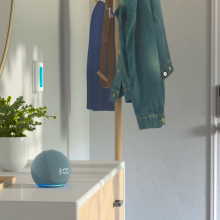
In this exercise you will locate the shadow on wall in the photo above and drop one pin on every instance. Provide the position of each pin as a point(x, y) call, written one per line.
point(65, 69)
point(16, 81)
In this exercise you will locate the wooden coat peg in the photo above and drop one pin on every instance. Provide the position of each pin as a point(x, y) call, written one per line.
point(102, 76)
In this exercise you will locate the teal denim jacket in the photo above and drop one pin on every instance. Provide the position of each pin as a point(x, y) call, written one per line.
point(144, 60)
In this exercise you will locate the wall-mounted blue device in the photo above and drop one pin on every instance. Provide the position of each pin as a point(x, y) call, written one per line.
point(51, 169)
point(38, 76)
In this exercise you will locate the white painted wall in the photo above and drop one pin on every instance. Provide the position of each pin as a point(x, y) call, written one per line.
point(168, 169)
point(5, 7)
point(40, 32)
point(79, 115)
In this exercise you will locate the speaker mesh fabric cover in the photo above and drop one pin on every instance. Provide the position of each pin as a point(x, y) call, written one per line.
point(51, 169)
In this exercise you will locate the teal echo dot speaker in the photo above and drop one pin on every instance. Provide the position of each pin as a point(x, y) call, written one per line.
point(51, 169)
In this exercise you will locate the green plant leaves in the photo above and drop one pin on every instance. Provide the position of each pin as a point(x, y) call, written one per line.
point(18, 117)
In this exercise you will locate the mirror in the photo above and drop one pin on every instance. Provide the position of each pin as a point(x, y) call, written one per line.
point(6, 18)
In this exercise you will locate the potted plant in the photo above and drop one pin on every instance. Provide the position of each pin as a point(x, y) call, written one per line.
point(15, 119)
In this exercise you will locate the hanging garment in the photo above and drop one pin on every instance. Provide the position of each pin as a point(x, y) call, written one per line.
point(144, 60)
point(97, 97)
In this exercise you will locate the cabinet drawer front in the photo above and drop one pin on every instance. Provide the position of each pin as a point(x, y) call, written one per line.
point(100, 206)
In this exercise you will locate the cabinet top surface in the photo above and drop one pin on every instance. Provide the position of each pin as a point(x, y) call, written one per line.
point(86, 179)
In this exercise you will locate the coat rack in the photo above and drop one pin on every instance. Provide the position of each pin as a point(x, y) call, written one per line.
point(118, 105)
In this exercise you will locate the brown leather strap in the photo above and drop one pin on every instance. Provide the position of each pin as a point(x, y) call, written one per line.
point(107, 46)
point(109, 3)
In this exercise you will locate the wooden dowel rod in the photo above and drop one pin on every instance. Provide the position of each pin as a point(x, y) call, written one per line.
point(102, 76)
point(118, 105)
point(118, 130)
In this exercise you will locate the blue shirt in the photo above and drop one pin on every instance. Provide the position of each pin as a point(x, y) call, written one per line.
point(97, 97)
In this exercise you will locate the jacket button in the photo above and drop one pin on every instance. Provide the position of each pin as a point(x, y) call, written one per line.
point(169, 68)
point(165, 74)
point(162, 120)
point(118, 70)
point(113, 95)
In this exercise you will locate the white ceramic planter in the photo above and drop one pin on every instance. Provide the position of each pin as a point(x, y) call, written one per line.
point(13, 153)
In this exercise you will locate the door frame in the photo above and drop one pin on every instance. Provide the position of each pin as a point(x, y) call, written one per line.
point(213, 110)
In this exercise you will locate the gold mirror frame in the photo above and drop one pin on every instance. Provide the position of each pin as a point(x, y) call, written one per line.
point(8, 38)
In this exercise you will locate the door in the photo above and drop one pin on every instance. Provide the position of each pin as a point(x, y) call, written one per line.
point(215, 113)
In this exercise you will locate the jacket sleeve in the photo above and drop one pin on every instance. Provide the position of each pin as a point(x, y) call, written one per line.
point(166, 67)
